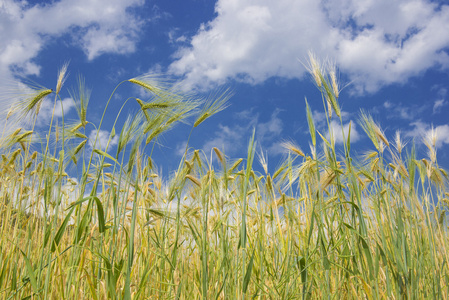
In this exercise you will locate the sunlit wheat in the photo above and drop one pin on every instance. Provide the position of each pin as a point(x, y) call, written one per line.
point(78, 222)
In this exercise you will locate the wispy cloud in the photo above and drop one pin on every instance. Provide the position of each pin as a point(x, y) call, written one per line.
point(271, 129)
point(228, 139)
point(269, 133)
point(438, 105)
point(418, 130)
point(375, 42)
point(397, 110)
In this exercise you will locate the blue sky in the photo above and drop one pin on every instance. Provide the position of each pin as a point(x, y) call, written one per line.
point(392, 58)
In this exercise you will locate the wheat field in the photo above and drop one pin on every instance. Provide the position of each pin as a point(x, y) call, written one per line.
point(326, 224)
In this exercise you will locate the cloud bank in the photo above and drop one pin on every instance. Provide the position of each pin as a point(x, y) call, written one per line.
point(375, 42)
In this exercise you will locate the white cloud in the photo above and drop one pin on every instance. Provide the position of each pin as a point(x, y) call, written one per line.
point(97, 41)
point(388, 104)
point(438, 105)
point(442, 92)
point(269, 134)
point(270, 130)
point(422, 131)
point(181, 148)
point(320, 120)
point(418, 131)
point(404, 112)
point(174, 37)
point(102, 140)
point(47, 106)
point(322, 126)
point(338, 134)
point(227, 139)
point(384, 42)
point(442, 133)
point(15, 96)
point(103, 26)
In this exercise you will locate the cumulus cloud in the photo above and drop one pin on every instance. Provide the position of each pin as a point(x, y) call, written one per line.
point(104, 26)
point(442, 134)
point(337, 133)
point(102, 140)
point(321, 123)
point(47, 106)
point(375, 42)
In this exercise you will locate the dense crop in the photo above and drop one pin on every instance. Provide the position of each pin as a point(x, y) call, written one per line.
point(323, 224)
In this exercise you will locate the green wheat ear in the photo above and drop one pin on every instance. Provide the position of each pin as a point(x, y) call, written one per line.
point(62, 77)
point(153, 83)
point(292, 147)
point(37, 100)
point(373, 131)
point(142, 84)
point(214, 103)
point(312, 130)
point(368, 125)
point(81, 97)
point(29, 104)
